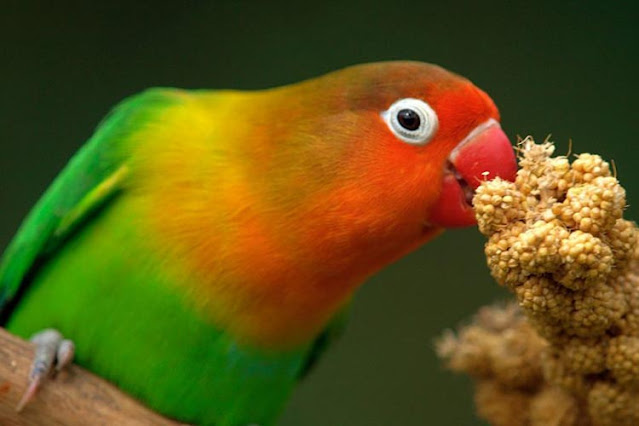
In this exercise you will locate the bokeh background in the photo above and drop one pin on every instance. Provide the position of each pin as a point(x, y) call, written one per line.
point(563, 68)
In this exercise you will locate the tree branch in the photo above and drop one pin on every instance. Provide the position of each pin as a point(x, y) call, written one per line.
point(73, 397)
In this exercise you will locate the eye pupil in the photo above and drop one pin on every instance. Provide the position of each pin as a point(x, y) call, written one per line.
point(408, 119)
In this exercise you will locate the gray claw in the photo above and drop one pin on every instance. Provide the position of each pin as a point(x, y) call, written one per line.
point(50, 348)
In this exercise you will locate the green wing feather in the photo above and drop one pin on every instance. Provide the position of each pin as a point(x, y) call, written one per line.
point(93, 177)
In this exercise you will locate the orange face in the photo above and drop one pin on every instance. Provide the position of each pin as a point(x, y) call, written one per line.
point(405, 140)
point(446, 132)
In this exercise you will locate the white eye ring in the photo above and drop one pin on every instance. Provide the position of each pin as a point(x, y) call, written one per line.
point(416, 124)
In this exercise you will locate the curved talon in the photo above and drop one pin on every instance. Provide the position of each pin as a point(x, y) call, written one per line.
point(50, 348)
point(28, 394)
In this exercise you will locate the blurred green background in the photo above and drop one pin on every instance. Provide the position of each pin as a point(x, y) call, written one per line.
point(566, 68)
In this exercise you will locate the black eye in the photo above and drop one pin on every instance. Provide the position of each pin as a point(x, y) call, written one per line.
point(408, 119)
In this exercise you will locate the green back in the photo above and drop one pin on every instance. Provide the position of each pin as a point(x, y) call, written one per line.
point(71, 199)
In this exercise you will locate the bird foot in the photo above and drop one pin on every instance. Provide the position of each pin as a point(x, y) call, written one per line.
point(52, 352)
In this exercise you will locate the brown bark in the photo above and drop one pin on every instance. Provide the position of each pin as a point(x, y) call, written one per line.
point(73, 397)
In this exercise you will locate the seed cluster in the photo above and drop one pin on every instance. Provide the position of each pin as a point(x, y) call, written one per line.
point(506, 357)
point(558, 241)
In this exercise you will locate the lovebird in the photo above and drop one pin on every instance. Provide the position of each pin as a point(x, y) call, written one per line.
point(201, 249)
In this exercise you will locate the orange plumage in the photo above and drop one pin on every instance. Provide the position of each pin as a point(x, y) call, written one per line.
point(281, 202)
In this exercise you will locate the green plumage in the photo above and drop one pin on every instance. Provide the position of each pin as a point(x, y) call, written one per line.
point(80, 263)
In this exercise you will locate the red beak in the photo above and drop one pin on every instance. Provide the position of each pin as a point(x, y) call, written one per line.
point(484, 154)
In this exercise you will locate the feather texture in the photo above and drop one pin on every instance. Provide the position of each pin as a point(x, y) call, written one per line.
point(200, 248)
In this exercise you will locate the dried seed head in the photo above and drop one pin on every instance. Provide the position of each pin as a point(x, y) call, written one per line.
point(557, 239)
